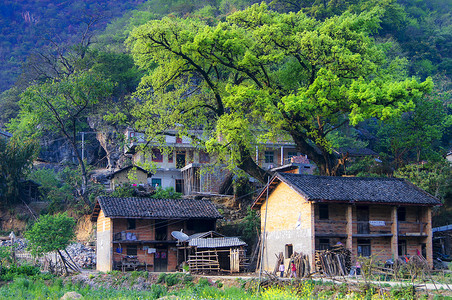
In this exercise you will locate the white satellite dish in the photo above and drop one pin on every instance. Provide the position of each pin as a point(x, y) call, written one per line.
point(180, 236)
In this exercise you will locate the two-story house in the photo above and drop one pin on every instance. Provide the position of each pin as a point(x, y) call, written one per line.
point(382, 217)
point(181, 164)
point(136, 232)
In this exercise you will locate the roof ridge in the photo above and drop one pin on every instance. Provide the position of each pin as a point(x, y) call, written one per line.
point(340, 177)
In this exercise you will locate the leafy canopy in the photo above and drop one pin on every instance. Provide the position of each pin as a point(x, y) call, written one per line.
point(265, 76)
point(51, 233)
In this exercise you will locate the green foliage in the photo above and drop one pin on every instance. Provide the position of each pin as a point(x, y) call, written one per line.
point(171, 279)
point(415, 135)
point(265, 76)
point(124, 190)
point(9, 273)
point(16, 158)
point(433, 177)
point(250, 226)
point(50, 233)
point(60, 105)
point(53, 188)
point(166, 193)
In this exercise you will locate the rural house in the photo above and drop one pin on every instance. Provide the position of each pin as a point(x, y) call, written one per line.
point(123, 176)
point(383, 217)
point(181, 164)
point(135, 233)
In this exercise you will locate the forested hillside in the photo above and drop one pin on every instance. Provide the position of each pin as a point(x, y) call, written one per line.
point(28, 26)
point(327, 75)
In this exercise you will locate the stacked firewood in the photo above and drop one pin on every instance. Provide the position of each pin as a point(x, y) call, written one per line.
point(301, 262)
point(334, 262)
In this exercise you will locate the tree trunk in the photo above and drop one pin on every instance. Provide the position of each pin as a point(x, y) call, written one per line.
point(248, 165)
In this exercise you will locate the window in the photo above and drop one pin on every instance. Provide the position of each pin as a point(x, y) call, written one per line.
point(178, 140)
point(132, 250)
point(288, 250)
point(157, 155)
point(364, 248)
point(180, 159)
point(402, 248)
point(131, 224)
point(179, 186)
point(156, 182)
point(324, 244)
point(401, 214)
point(269, 157)
point(170, 157)
point(204, 157)
point(323, 212)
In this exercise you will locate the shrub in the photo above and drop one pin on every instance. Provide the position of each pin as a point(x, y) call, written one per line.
point(157, 291)
point(161, 278)
point(172, 279)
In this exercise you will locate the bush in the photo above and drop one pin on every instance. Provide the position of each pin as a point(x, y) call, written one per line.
point(161, 278)
point(157, 291)
point(13, 271)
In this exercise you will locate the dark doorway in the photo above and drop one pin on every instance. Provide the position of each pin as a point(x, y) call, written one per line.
point(179, 186)
point(161, 260)
point(180, 159)
point(362, 214)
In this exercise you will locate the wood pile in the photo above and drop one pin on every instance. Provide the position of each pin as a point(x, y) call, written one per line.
point(333, 262)
point(301, 262)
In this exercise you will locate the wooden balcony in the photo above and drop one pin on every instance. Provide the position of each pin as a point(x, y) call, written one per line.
point(412, 229)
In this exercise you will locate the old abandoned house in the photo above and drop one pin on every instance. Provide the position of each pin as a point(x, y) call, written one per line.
point(134, 233)
point(382, 217)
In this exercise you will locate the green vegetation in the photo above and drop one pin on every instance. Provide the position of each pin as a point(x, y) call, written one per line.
point(48, 287)
point(50, 233)
point(323, 74)
point(246, 88)
point(16, 158)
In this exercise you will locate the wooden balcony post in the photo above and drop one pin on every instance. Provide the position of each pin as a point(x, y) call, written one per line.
point(349, 230)
point(429, 242)
point(395, 233)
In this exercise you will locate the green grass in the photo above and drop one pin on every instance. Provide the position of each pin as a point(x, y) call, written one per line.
point(45, 287)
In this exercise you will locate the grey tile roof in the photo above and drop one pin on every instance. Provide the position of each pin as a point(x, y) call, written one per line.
point(357, 189)
point(219, 242)
point(150, 208)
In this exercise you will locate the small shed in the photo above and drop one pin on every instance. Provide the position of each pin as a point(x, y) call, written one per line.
point(214, 252)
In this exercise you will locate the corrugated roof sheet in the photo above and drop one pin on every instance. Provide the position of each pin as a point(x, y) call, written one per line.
point(150, 208)
point(220, 242)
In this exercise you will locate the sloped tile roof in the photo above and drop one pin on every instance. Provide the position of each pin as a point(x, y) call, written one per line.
point(219, 242)
point(150, 208)
point(352, 189)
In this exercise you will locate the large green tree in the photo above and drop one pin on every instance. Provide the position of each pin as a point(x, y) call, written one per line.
point(267, 76)
point(62, 106)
